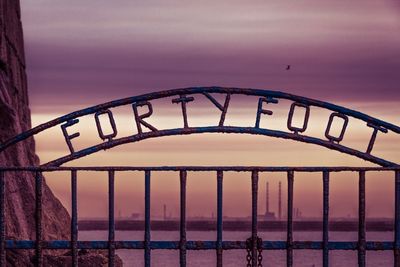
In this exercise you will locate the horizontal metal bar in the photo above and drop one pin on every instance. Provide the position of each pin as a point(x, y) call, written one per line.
point(199, 245)
point(204, 168)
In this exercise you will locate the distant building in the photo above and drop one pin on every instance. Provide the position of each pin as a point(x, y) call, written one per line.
point(280, 201)
point(268, 216)
point(135, 216)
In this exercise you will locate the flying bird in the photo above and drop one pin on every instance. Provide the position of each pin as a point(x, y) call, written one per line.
point(288, 67)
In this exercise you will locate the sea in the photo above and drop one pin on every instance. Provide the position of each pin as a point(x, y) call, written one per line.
point(233, 258)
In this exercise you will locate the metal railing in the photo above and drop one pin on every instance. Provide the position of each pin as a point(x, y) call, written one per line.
point(219, 245)
point(145, 130)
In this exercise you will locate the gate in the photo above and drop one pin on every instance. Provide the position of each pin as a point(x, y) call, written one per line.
point(254, 245)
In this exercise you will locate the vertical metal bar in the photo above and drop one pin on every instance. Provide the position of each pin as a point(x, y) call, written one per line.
point(397, 220)
point(219, 218)
point(325, 233)
point(361, 219)
point(289, 249)
point(254, 196)
point(280, 201)
point(74, 220)
point(111, 221)
point(147, 219)
point(2, 220)
point(182, 243)
point(38, 218)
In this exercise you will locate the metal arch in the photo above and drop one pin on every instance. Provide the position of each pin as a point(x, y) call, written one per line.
point(218, 129)
point(223, 129)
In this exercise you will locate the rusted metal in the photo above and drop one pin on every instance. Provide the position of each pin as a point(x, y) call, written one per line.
point(183, 97)
point(219, 217)
point(311, 169)
point(259, 252)
point(261, 111)
point(139, 118)
point(111, 220)
point(397, 219)
point(201, 90)
point(223, 108)
point(147, 224)
point(68, 136)
point(373, 136)
point(182, 241)
point(254, 219)
point(295, 129)
point(201, 245)
point(217, 129)
point(74, 219)
point(100, 128)
point(339, 138)
point(361, 219)
point(289, 232)
point(249, 256)
point(325, 219)
point(38, 218)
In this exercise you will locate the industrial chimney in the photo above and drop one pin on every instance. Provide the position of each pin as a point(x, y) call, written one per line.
point(280, 201)
point(267, 199)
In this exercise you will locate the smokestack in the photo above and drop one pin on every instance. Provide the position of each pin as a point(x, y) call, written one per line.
point(267, 199)
point(280, 201)
point(165, 212)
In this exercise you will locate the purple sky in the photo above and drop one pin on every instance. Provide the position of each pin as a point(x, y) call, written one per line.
point(104, 50)
point(81, 53)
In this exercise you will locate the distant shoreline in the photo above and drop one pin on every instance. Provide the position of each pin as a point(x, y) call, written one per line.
point(211, 225)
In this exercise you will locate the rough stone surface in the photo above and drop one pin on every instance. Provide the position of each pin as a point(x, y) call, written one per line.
point(14, 119)
point(85, 259)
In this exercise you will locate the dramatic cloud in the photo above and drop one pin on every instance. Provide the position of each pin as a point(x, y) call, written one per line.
point(81, 53)
point(106, 49)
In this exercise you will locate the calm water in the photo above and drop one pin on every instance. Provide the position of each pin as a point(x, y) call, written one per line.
point(302, 258)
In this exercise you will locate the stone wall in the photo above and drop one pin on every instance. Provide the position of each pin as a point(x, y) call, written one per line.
point(14, 119)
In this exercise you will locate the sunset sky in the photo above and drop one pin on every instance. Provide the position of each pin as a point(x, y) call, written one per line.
point(82, 53)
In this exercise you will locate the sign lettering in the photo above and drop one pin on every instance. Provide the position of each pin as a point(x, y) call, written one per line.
point(68, 137)
point(112, 123)
point(139, 118)
point(260, 109)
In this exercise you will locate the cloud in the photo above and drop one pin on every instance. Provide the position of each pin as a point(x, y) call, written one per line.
point(102, 51)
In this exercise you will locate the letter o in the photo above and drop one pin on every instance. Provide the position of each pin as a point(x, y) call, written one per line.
point(328, 127)
point(112, 123)
point(295, 129)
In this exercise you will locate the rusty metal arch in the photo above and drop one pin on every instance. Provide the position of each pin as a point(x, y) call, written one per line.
point(267, 96)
